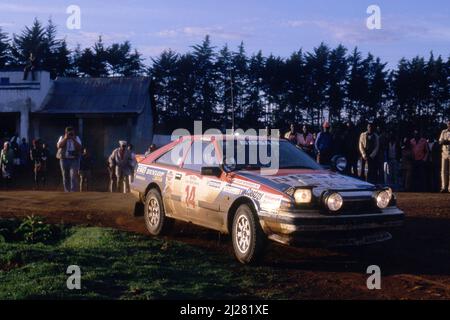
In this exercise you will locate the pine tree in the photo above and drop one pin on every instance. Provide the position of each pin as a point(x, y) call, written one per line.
point(4, 49)
point(338, 73)
point(31, 40)
point(275, 83)
point(357, 86)
point(378, 87)
point(254, 100)
point(92, 62)
point(295, 87)
point(224, 67)
point(206, 77)
point(317, 66)
point(438, 75)
point(122, 61)
point(163, 73)
point(239, 75)
point(63, 66)
point(50, 47)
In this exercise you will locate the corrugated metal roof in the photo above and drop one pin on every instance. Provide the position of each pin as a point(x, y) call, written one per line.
point(97, 95)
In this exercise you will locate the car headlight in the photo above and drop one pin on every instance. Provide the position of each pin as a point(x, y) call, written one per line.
point(334, 201)
point(302, 196)
point(389, 190)
point(383, 198)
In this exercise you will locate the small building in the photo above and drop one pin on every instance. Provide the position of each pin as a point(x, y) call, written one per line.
point(102, 110)
point(19, 98)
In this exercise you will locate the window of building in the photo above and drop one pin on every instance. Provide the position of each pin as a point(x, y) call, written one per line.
point(4, 81)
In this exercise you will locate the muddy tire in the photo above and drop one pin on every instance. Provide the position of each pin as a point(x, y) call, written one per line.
point(249, 240)
point(154, 215)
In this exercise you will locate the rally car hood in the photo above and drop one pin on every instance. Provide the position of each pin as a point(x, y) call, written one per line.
point(319, 180)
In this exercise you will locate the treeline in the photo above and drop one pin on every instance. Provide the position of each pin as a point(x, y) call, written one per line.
point(307, 87)
point(208, 83)
point(53, 55)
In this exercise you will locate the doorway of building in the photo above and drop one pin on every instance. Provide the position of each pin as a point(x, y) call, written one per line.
point(8, 125)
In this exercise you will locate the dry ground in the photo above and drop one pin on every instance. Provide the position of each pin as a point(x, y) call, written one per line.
point(414, 265)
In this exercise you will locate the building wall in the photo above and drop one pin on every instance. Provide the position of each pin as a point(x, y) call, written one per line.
point(101, 135)
point(22, 96)
point(142, 134)
point(19, 98)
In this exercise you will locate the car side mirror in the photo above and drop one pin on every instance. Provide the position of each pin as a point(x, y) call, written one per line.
point(211, 171)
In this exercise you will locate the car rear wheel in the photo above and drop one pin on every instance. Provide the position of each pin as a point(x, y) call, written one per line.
point(247, 235)
point(155, 218)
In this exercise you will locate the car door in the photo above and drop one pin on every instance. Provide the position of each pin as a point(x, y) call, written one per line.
point(173, 188)
point(202, 192)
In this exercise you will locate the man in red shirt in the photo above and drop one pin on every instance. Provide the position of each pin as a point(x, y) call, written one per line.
point(305, 141)
point(420, 153)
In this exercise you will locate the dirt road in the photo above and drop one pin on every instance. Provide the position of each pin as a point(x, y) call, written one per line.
point(414, 265)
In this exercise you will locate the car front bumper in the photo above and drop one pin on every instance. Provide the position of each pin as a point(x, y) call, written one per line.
point(311, 227)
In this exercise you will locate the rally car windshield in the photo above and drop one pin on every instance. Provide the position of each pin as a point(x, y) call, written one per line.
point(242, 154)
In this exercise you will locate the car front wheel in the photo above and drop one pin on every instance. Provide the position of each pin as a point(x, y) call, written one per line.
point(155, 218)
point(247, 235)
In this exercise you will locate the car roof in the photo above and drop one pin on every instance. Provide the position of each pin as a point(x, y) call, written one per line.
point(209, 137)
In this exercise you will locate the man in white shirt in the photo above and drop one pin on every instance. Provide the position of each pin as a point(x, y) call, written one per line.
point(444, 141)
point(69, 151)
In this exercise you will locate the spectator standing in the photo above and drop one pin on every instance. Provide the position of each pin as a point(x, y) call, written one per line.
point(420, 152)
point(7, 164)
point(324, 145)
point(45, 161)
point(133, 162)
point(69, 152)
point(121, 159)
point(112, 176)
point(407, 165)
point(393, 155)
point(444, 141)
point(86, 164)
point(381, 156)
point(350, 148)
point(38, 161)
point(14, 146)
point(305, 141)
point(433, 165)
point(291, 135)
point(153, 148)
point(368, 147)
point(338, 140)
point(24, 150)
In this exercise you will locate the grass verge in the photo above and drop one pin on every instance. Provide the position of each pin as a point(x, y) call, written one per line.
point(121, 265)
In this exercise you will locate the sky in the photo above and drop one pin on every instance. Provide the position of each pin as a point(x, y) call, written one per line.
point(408, 28)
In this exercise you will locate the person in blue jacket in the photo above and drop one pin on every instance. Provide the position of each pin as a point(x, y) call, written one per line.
point(324, 145)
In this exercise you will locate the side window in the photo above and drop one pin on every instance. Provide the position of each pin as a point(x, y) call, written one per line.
point(201, 153)
point(174, 156)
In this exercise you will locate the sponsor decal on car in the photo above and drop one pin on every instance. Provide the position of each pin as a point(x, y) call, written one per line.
point(169, 176)
point(145, 170)
point(253, 194)
point(270, 202)
point(193, 180)
point(214, 184)
point(155, 174)
point(245, 183)
point(141, 169)
point(322, 181)
point(232, 190)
